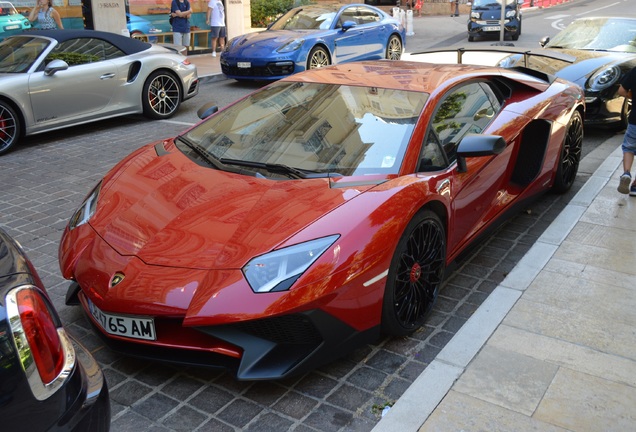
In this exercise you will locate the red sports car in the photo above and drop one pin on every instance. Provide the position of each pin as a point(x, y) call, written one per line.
point(314, 214)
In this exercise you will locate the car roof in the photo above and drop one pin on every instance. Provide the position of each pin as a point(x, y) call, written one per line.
point(127, 44)
point(410, 75)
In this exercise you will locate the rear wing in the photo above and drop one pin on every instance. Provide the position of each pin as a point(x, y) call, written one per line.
point(491, 56)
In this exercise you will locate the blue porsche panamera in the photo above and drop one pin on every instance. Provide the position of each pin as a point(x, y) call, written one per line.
point(309, 37)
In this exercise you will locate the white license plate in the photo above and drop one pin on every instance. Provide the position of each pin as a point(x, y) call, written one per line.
point(132, 327)
point(11, 27)
point(492, 28)
point(244, 65)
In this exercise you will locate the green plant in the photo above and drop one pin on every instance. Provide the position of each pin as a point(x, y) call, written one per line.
point(265, 12)
point(72, 58)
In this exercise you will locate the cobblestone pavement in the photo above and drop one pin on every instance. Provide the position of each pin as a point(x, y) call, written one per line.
point(45, 179)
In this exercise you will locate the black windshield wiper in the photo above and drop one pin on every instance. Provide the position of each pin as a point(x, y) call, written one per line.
point(274, 168)
point(200, 150)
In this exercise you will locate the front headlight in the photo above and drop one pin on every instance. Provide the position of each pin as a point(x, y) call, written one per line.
point(475, 15)
point(604, 78)
point(510, 14)
point(291, 46)
point(86, 210)
point(278, 270)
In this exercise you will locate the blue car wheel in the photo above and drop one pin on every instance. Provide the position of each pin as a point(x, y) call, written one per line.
point(318, 57)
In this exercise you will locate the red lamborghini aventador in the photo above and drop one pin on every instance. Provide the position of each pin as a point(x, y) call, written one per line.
point(314, 214)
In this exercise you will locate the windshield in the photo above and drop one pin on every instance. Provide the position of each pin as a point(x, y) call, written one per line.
point(316, 128)
point(612, 34)
point(489, 4)
point(7, 9)
point(17, 54)
point(313, 18)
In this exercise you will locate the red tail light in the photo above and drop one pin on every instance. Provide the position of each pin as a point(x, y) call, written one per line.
point(41, 333)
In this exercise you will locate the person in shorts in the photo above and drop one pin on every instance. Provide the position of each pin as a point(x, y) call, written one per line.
point(629, 140)
point(216, 19)
point(180, 12)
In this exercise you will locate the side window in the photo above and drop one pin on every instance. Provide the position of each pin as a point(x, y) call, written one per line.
point(84, 50)
point(466, 109)
point(367, 16)
point(349, 14)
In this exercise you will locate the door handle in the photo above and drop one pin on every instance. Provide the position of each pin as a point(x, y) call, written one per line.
point(107, 76)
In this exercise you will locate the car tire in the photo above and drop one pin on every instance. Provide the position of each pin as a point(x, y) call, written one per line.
point(622, 123)
point(394, 48)
point(415, 275)
point(9, 128)
point(318, 57)
point(471, 39)
point(570, 155)
point(161, 95)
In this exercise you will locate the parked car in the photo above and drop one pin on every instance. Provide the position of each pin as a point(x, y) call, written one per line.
point(138, 26)
point(50, 79)
point(11, 21)
point(48, 380)
point(485, 19)
point(605, 50)
point(314, 214)
point(310, 37)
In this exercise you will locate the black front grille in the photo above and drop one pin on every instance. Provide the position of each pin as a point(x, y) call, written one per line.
point(287, 329)
point(271, 70)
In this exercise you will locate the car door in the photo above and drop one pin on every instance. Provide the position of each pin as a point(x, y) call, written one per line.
point(348, 43)
point(83, 90)
point(465, 109)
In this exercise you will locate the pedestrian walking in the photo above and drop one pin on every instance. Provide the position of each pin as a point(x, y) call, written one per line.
point(216, 19)
point(180, 12)
point(418, 7)
point(628, 84)
point(454, 5)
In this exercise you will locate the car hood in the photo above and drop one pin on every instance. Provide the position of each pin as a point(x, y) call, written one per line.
point(588, 62)
point(264, 42)
point(168, 211)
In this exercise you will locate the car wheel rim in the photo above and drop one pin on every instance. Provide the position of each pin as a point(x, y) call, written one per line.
point(8, 129)
point(164, 95)
point(318, 60)
point(395, 49)
point(572, 150)
point(419, 274)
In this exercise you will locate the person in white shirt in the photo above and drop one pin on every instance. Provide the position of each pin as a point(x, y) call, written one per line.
point(216, 19)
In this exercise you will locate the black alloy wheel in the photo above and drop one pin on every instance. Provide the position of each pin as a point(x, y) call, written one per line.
point(570, 155)
point(415, 276)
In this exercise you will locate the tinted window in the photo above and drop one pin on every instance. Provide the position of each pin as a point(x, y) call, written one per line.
point(84, 50)
point(466, 109)
point(322, 128)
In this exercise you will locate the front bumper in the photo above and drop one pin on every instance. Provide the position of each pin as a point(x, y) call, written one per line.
point(264, 349)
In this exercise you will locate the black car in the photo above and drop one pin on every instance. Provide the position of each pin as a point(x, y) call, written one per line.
point(485, 19)
point(48, 381)
point(605, 50)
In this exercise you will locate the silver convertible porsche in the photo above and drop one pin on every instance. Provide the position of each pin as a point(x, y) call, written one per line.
point(50, 79)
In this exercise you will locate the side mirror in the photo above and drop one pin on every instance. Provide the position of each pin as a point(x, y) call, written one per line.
point(477, 146)
point(348, 25)
point(54, 66)
point(544, 41)
point(484, 113)
point(207, 110)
